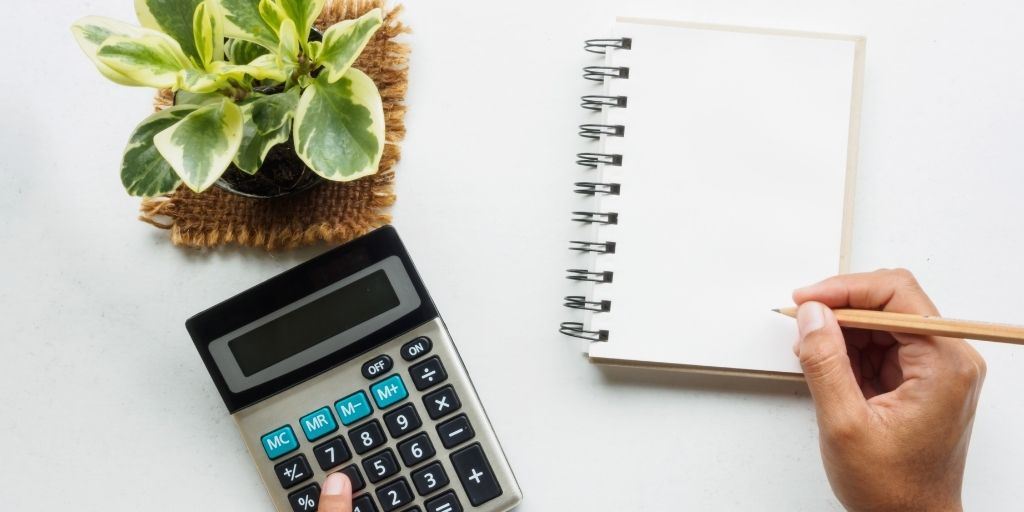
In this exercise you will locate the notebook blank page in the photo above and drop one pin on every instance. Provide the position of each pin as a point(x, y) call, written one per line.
point(733, 180)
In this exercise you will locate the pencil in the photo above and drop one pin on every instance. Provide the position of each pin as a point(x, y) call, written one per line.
point(922, 324)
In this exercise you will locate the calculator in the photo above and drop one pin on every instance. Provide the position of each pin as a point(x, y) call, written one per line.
point(344, 364)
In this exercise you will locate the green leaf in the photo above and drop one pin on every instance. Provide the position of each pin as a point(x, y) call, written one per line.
point(196, 98)
point(201, 81)
point(150, 59)
point(304, 13)
point(344, 41)
point(208, 27)
point(339, 127)
point(288, 48)
point(201, 145)
point(272, 13)
point(264, 67)
point(174, 18)
point(144, 172)
point(243, 21)
point(267, 122)
point(92, 31)
point(241, 51)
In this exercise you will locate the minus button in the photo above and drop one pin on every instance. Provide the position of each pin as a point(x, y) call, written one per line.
point(455, 431)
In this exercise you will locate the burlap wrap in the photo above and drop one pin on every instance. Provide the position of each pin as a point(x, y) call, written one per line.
point(332, 212)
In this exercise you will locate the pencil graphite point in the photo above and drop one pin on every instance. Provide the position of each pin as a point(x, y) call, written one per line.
point(776, 310)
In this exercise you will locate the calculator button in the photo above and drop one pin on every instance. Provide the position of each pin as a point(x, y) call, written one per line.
point(305, 499)
point(442, 402)
point(377, 366)
point(394, 495)
point(380, 466)
point(353, 408)
point(293, 471)
point(363, 503)
point(455, 431)
point(332, 453)
point(416, 348)
point(430, 479)
point(402, 421)
point(354, 476)
point(279, 442)
point(428, 373)
point(446, 502)
point(475, 473)
point(366, 437)
point(389, 391)
point(413, 509)
point(318, 424)
point(416, 450)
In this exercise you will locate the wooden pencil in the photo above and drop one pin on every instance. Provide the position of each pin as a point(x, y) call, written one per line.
point(922, 324)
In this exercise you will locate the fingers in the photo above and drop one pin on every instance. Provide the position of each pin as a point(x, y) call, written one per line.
point(822, 352)
point(336, 495)
point(888, 290)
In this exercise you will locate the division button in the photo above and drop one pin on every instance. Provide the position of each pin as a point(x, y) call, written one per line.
point(416, 450)
point(366, 437)
point(430, 479)
point(332, 453)
point(416, 348)
point(293, 471)
point(475, 473)
point(394, 495)
point(455, 431)
point(305, 499)
point(446, 502)
point(442, 402)
point(363, 503)
point(377, 366)
point(402, 421)
point(427, 374)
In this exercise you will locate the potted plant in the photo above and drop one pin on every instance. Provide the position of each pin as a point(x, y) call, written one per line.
point(264, 105)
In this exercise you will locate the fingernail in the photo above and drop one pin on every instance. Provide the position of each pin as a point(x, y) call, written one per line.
point(334, 484)
point(810, 317)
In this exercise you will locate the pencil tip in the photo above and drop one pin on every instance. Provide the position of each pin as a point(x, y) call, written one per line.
point(776, 310)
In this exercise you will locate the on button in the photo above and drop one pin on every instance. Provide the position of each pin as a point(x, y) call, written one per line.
point(416, 348)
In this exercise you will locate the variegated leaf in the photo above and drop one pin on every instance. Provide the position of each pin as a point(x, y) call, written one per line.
point(174, 18)
point(288, 48)
point(208, 28)
point(303, 13)
point(197, 81)
point(243, 21)
point(197, 99)
point(152, 59)
point(339, 127)
point(241, 51)
point(264, 67)
point(272, 14)
point(92, 31)
point(266, 122)
point(201, 145)
point(144, 172)
point(343, 43)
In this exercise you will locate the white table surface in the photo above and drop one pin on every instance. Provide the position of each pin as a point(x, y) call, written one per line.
point(106, 406)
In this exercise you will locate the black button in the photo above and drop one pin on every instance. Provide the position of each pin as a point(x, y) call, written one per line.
point(430, 479)
point(446, 502)
point(366, 437)
point(442, 402)
point(293, 471)
point(475, 473)
point(416, 348)
point(416, 450)
point(363, 503)
point(428, 373)
point(455, 431)
point(305, 499)
point(380, 466)
point(394, 495)
point(403, 420)
point(332, 453)
point(354, 476)
point(414, 509)
point(377, 366)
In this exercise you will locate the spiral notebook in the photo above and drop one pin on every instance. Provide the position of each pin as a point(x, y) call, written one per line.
point(716, 174)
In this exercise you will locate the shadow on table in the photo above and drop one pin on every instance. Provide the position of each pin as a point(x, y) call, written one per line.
point(679, 380)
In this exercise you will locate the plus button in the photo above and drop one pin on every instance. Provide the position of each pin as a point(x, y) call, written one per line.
point(475, 475)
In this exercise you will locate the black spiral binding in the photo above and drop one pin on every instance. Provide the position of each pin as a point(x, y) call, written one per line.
point(590, 159)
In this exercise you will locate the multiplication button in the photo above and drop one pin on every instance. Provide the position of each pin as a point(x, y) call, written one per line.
point(293, 471)
point(475, 473)
point(305, 499)
point(455, 431)
point(442, 402)
point(428, 373)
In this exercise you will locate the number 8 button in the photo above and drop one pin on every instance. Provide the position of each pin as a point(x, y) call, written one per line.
point(366, 437)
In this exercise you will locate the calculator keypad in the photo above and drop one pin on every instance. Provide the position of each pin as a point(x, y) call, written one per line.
point(366, 437)
point(332, 454)
point(293, 471)
point(380, 466)
point(442, 402)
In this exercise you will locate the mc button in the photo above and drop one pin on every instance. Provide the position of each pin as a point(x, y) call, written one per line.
point(279, 442)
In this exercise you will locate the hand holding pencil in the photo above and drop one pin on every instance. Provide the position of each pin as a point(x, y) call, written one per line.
point(895, 410)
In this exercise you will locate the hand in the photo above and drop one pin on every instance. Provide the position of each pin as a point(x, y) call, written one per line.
point(895, 411)
point(336, 495)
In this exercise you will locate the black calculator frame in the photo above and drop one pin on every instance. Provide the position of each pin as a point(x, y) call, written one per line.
point(291, 286)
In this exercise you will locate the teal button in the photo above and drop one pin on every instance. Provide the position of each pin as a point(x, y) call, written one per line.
point(389, 391)
point(279, 442)
point(353, 408)
point(318, 423)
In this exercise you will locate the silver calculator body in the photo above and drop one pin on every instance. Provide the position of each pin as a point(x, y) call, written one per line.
point(344, 364)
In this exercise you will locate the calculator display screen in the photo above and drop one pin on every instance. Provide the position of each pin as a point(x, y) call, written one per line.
point(302, 328)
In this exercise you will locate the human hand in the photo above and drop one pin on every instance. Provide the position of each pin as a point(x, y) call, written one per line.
point(895, 411)
point(336, 495)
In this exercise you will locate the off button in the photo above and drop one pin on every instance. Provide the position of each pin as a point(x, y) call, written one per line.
point(377, 366)
point(416, 348)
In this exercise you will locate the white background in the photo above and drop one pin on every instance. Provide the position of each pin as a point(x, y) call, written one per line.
point(106, 406)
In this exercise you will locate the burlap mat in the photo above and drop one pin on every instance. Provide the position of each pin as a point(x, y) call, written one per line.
point(332, 212)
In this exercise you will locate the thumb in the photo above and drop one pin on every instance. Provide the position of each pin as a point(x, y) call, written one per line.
point(822, 352)
point(337, 494)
